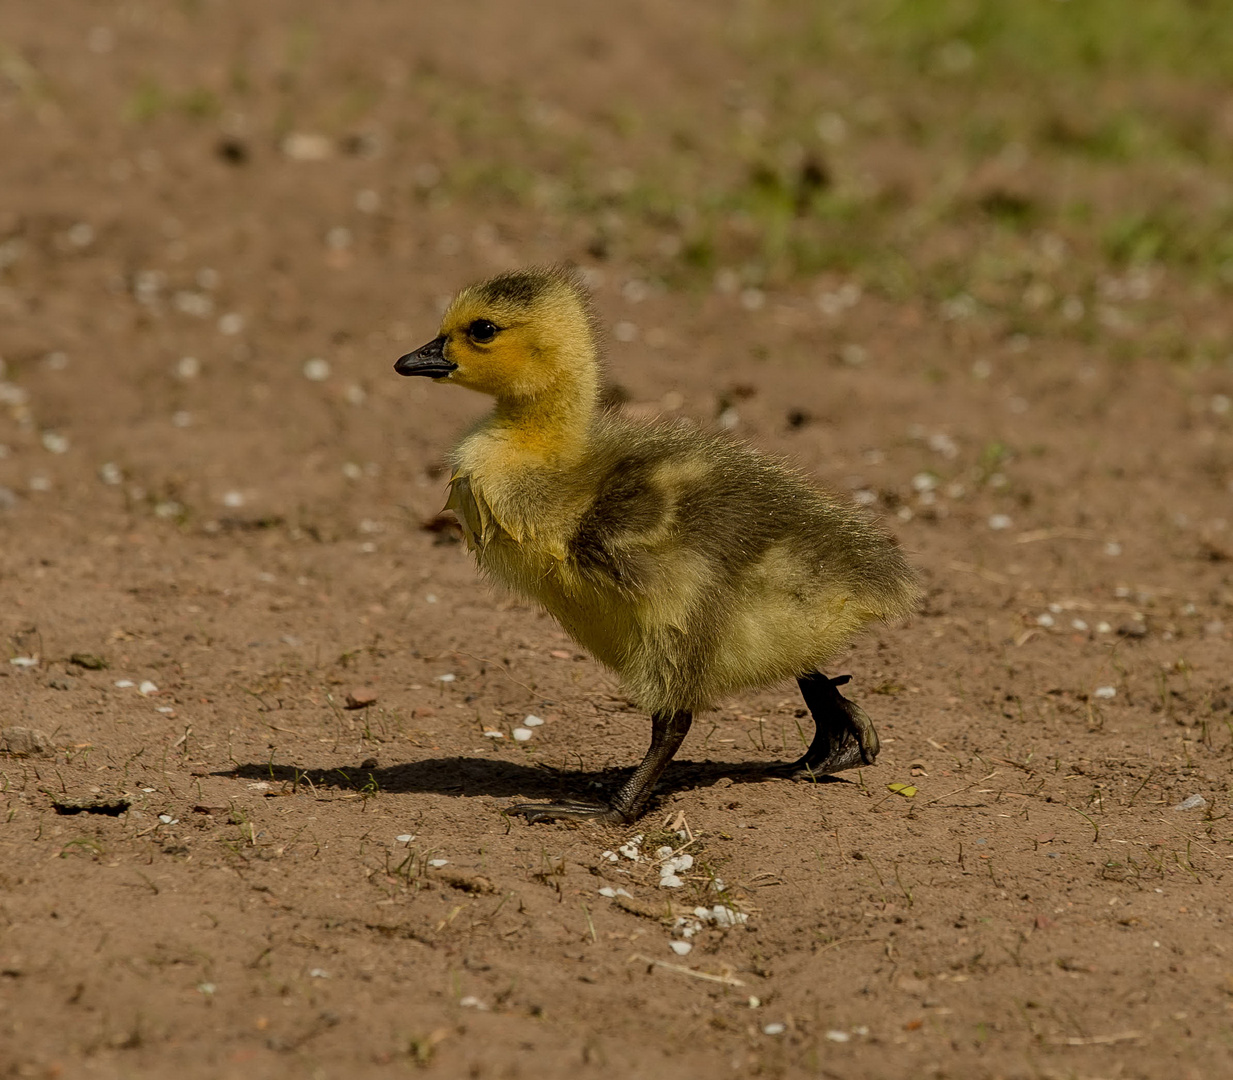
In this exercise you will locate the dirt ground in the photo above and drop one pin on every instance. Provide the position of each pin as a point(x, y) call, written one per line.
point(221, 223)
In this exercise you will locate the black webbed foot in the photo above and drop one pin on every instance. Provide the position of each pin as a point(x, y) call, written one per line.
point(844, 737)
point(569, 811)
point(668, 731)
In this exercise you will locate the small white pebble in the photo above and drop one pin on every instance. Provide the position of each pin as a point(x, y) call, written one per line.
point(630, 851)
point(316, 369)
point(405, 838)
point(318, 973)
point(608, 891)
point(681, 948)
point(1104, 692)
point(664, 852)
point(167, 819)
point(752, 299)
point(147, 688)
point(774, 1029)
point(754, 1002)
point(492, 733)
point(725, 916)
point(28, 661)
point(449, 676)
point(55, 443)
point(924, 482)
point(124, 684)
point(438, 862)
point(531, 721)
point(609, 856)
point(1191, 802)
point(670, 881)
point(233, 499)
point(838, 1036)
point(1044, 620)
point(998, 522)
point(1078, 624)
point(109, 472)
point(166, 710)
point(430, 598)
point(1103, 628)
point(522, 734)
point(206, 988)
point(470, 1002)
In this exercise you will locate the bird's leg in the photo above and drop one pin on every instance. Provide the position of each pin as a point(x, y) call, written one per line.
point(668, 731)
point(843, 737)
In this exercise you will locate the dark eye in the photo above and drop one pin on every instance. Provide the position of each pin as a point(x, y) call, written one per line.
point(482, 330)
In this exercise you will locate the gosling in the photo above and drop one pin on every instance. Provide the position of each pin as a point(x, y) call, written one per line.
point(691, 565)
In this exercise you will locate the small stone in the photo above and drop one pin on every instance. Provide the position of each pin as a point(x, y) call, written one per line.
point(681, 948)
point(405, 838)
point(438, 863)
point(1191, 802)
point(147, 688)
point(361, 698)
point(307, 146)
point(838, 1036)
point(24, 742)
point(774, 1029)
point(316, 369)
point(522, 734)
point(670, 881)
point(1105, 692)
point(999, 522)
point(531, 721)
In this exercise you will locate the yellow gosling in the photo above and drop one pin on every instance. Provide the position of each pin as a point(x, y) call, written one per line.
point(692, 565)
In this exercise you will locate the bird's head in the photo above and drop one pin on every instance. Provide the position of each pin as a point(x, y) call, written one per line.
point(520, 336)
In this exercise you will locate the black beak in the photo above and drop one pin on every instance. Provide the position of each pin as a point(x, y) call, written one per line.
point(427, 360)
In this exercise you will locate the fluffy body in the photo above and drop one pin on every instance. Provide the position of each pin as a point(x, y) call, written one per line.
point(690, 564)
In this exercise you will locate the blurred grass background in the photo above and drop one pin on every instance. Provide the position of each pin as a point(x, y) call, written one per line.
point(1061, 165)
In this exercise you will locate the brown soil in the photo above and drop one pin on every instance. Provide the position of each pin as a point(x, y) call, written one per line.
point(207, 878)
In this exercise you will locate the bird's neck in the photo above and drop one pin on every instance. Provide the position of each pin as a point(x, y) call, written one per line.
point(549, 429)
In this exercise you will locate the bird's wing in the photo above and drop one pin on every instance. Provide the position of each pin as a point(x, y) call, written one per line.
point(473, 512)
